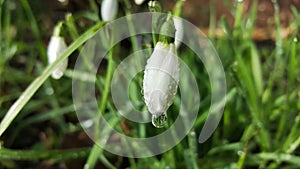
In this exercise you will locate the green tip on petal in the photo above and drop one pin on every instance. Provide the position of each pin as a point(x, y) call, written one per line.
point(57, 29)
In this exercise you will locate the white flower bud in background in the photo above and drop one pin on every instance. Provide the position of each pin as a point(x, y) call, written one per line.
point(154, 6)
point(179, 32)
point(160, 82)
point(55, 48)
point(109, 10)
point(139, 2)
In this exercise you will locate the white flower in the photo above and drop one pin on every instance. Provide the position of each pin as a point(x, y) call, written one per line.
point(161, 79)
point(109, 9)
point(179, 31)
point(56, 47)
point(139, 2)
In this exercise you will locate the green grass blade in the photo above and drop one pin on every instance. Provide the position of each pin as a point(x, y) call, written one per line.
point(293, 63)
point(256, 70)
point(35, 28)
point(57, 155)
point(93, 157)
point(291, 159)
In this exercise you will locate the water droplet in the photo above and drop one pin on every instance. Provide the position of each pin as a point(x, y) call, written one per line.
point(295, 39)
point(240, 153)
point(87, 124)
point(159, 121)
point(193, 133)
point(142, 91)
point(49, 91)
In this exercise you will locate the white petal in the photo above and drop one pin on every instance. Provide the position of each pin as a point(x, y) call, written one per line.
point(179, 31)
point(161, 78)
point(109, 10)
point(139, 2)
point(56, 47)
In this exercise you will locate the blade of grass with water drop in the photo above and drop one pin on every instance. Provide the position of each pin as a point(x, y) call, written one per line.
point(238, 18)
point(191, 155)
point(293, 62)
point(278, 47)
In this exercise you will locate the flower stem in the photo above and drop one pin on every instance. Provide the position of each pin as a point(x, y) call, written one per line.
point(97, 150)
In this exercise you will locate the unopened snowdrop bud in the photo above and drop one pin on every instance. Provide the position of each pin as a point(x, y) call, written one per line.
point(160, 82)
point(154, 6)
point(55, 48)
point(179, 32)
point(139, 2)
point(109, 10)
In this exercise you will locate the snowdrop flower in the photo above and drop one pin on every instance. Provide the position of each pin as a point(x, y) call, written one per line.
point(161, 78)
point(139, 2)
point(109, 10)
point(154, 6)
point(55, 48)
point(179, 32)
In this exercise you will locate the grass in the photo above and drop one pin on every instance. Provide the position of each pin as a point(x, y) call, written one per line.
point(259, 129)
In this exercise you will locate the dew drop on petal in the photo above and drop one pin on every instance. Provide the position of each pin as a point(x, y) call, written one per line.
point(159, 121)
point(142, 91)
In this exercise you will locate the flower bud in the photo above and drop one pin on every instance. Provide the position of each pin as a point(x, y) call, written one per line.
point(161, 78)
point(109, 10)
point(55, 48)
point(154, 6)
point(139, 2)
point(179, 32)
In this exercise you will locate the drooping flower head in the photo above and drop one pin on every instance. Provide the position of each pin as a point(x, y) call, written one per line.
point(139, 2)
point(161, 77)
point(109, 10)
point(55, 48)
point(179, 31)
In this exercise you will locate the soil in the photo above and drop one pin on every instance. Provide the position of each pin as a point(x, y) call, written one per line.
point(198, 13)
